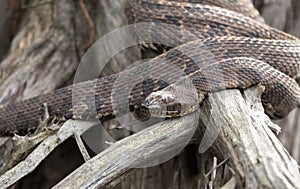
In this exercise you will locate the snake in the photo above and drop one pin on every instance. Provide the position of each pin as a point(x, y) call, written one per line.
point(216, 44)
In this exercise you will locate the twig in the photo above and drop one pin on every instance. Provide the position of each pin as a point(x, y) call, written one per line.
point(216, 167)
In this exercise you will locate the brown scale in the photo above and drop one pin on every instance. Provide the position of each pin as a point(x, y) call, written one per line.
point(206, 23)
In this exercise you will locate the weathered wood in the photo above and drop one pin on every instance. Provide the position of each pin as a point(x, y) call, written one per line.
point(42, 54)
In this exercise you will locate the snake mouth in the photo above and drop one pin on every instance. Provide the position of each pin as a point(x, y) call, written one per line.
point(163, 111)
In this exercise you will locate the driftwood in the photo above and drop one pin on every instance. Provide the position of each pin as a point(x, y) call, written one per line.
point(248, 153)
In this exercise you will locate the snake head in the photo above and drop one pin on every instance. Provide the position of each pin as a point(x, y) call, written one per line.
point(172, 101)
point(162, 104)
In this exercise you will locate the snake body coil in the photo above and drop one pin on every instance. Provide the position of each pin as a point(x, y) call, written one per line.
point(227, 35)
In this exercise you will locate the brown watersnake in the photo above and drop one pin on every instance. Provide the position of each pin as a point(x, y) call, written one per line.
point(223, 33)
